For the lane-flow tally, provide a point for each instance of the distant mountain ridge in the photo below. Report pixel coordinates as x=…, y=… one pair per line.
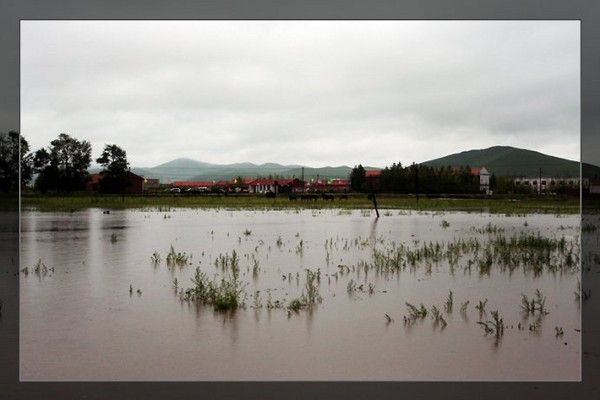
x=188, y=169
x=500, y=160
x=513, y=161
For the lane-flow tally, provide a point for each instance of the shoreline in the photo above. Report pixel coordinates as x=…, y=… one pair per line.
x=50, y=203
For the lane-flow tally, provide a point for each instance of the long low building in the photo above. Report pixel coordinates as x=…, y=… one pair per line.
x=275, y=185
x=550, y=183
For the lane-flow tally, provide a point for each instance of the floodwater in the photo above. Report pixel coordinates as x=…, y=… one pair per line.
x=79, y=320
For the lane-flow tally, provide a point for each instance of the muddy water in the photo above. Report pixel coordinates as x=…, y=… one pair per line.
x=79, y=320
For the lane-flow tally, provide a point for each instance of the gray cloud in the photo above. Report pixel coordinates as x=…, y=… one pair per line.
x=310, y=92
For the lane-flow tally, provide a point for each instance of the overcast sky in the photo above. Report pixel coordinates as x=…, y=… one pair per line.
x=302, y=92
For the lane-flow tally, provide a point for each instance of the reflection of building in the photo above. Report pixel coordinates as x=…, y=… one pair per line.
x=136, y=183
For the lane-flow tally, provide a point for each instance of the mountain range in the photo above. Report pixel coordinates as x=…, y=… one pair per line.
x=188, y=169
x=500, y=160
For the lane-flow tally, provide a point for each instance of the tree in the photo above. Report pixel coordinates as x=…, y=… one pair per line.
x=14, y=149
x=493, y=182
x=115, y=175
x=63, y=167
x=358, y=178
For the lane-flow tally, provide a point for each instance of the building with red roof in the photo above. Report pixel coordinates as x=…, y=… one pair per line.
x=331, y=185
x=275, y=185
x=372, y=173
x=135, y=186
x=193, y=184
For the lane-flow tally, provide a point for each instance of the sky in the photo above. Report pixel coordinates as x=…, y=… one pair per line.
x=317, y=93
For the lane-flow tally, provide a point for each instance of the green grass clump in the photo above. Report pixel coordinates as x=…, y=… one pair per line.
x=558, y=331
x=494, y=326
x=415, y=313
x=310, y=295
x=226, y=294
x=155, y=258
x=536, y=304
x=438, y=318
x=296, y=305
x=177, y=259
x=481, y=306
x=449, y=302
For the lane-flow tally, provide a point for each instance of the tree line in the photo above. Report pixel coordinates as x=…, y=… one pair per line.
x=60, y=167
x=416, y=178
x=63, y=166
x=419, y=178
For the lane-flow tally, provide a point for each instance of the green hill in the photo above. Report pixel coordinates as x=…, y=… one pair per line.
x=512, y=161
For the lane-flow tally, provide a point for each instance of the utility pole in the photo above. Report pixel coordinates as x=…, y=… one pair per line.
x=540, y=183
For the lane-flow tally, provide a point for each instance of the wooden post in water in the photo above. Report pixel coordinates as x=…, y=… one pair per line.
x=375, y=203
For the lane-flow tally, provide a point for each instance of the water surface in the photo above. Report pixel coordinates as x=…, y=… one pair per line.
x=79, y=321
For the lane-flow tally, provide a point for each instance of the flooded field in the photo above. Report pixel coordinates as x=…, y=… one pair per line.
x=299, y=295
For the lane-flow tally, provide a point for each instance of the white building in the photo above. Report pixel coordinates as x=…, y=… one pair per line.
x=549, y=183
x=484, y=178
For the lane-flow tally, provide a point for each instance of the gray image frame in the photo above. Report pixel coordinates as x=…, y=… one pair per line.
x=13, y=11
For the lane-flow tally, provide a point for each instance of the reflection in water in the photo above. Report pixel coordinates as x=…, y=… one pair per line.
x=87, y=308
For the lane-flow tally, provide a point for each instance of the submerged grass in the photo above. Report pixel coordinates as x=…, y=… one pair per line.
x=175, y=258
x=494, y=326
x=310, y=295
x=224, y=294
x=535, y=304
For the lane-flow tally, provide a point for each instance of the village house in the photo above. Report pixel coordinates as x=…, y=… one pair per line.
x=372, y=179
x=550, y=183
x=151, y=183
x=135, y=186
x=484, y=178
x=339, y=185
x=328, y=185
x=199, y=186
x=275, y=185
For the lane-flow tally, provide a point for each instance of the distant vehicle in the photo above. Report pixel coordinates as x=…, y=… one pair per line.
x=200, y=189
x=175, y=190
